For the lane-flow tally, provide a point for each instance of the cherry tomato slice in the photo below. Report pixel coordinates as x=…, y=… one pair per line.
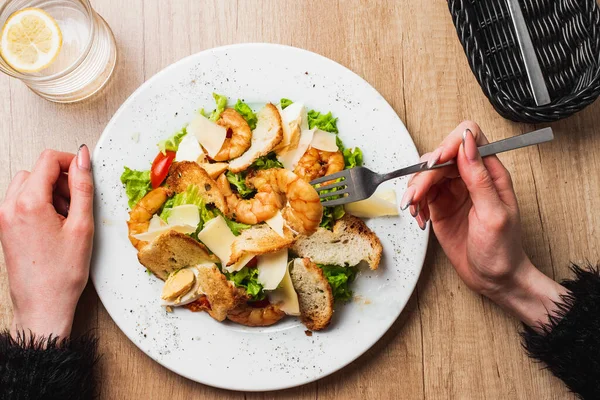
x=160, y=168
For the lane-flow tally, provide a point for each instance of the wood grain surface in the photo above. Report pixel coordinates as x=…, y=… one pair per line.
x=449, y=343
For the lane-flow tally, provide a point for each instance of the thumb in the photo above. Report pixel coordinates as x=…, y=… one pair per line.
x=477, y=179
x=81, y=188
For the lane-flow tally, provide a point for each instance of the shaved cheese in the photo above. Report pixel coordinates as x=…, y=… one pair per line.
x=210, y=135
x=189, y=149
x=276, y=223
x=285, y=295
x=156, y=223
x=291, y=158
x=292, y=118
x=241, y=263
x=325, y=141
x=150, y=236
x=382, y=203
x=217, y=236
x=187, y=214
x=271, y=268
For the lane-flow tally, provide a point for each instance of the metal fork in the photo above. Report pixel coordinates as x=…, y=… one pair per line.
x=360, y=183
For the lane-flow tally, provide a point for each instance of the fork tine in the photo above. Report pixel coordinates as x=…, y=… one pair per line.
x=336, y=202
x=333, y=194
x=341, y=174
x=331, y=186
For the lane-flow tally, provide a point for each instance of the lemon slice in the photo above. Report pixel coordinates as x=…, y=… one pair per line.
x=31, y=40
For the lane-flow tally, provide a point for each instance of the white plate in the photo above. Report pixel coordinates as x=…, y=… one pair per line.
x=223, y=354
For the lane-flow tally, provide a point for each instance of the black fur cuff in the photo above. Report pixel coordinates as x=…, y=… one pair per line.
x=47, y=368
x=570, y=343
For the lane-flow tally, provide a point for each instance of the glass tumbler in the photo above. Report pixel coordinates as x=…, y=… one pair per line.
x=86, y=58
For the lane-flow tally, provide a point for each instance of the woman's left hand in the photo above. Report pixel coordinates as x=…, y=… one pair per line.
x=46, y=230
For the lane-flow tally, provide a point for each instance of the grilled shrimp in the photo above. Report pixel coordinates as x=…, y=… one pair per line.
x=251, y=316
x=142, y=212
x=317, y=163
x=241, y=135
x=277, y=189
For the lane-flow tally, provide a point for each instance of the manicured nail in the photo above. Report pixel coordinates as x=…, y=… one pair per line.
x=435, y=157
x=414, y=210
x=421, y=222
x=83, y=158
x=469, y=145
x=407, y=198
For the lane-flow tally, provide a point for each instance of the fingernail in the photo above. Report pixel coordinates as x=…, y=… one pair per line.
x=421, y=222
x=414, y=211
x=83, y=158
x=469, y=145
x=407, y=198
x=435, y=157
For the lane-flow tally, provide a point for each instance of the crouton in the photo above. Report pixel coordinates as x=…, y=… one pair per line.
x=314, y=294
x=171, y=251
x=350, y=242
x=267, y=134
x=186, y=173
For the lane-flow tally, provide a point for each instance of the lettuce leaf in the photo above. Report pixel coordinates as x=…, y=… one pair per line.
x=247, y=278
x=330, y=215
x=190, y=196
x=172, y=143
x=221, y=104
x=246, y=112
x=137, y=184
x=235, y=227
x=239, y=181
x=339, y=279
x=267, y=162
x=353, y=157
x=284, y=103
x=324, y=122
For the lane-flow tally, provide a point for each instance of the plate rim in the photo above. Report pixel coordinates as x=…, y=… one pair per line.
x=419, y=259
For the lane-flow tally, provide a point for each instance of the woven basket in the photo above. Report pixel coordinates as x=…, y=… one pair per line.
x=566, y=36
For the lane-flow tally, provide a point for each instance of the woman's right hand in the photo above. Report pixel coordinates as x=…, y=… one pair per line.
x=475, y=216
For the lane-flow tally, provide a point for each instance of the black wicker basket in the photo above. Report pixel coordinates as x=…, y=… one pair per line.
x=566, y=36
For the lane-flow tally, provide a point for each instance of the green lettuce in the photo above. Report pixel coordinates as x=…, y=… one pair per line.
x=190, y=196
x=247, y=278
x=221, y=104
x=353, y=157
x=339, y=279
x=267, y=162
x=137, y=184
x=324, y=122
x=235, y=227
x=246, y=112
x=172, y=143
x=284, y=103
x=330, y=215
x=239, y=181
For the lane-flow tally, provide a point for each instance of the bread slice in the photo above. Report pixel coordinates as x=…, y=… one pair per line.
x=260, y=239
x=185, y=173
x=314, y=293
x=350, y=242
x=267, y=134
x=172, y=251
x=221, y=294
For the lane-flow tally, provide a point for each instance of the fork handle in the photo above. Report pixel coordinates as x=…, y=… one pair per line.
x=512, y=143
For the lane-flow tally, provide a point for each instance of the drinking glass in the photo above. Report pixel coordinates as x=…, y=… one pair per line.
x=86, y=59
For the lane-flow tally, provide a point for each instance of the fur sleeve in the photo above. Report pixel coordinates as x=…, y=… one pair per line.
x=46, y=368
x=570, y=343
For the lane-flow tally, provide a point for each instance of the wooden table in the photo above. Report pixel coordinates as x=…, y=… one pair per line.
x=449, y=342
